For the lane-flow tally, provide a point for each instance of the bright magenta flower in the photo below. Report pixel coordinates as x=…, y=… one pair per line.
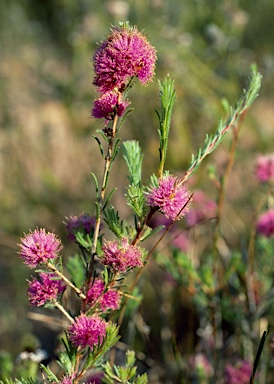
x=44, y=290
x=169, y=197
x=38, y=247
x=108, y=105
x=87, y=330
x=265, y=223
x=265, y=168
x=124, y=54
x=108, y=300
x=121, y=256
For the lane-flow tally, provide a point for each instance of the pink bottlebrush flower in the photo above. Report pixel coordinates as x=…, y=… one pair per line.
x=96, y=290
x=82, y=222
x=124, y=54
x=169, y=197
x=202, y=209
x=108, y=300
x=47, y=288
x=38, y=247
x=265, y=168
x=121, y=256
x=87, y=330
x=239, y=373
x=265, y=223
x=108, y=105
x=68, y=379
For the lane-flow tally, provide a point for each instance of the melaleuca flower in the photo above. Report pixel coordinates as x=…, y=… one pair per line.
x=265, y=168
x=67, y=379
x=124, y=54
x=38, y=247
x=87, y=330
x=47, y=288
x=109, y=105
x=108, y=300
x=265, y=223
x=169, y=197
x=121, y=256
x=83, y=223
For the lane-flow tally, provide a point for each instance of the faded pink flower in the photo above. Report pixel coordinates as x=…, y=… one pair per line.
x=95, y=377
x=265, y=223
x=47, y=288
x=108, y=300
x=87, y=330
x=38, y=247
x=169, y=197
x=202, y=209
x=181, y=241
x=265, y=168
x=83, y=222
x=239, y=373
x=108, y=105
x=121, y=256
x=124, y=54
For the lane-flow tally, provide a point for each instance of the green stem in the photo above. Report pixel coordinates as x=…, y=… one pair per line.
x=100, y=200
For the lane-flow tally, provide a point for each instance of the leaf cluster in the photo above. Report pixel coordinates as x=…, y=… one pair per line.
x=126, y=374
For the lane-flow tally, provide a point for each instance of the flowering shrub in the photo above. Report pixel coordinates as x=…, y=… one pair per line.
x=98, y=275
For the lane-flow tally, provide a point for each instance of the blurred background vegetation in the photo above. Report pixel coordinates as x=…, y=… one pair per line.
x=46, y=147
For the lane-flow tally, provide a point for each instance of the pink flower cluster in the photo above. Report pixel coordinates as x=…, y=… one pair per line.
x=169, y=197
x=109, y=105
x=84, y=223
x=47, y=288
x=125, y=54
x=38, y=247
x=265, y=223
x=121, y=256
x=265, y=168
x=238, y=374
x=87, y=330
x=108, y=300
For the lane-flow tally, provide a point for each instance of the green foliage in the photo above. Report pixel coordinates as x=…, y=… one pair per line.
x=167, y=99
x=6, y=365
x=212, y=142
x=76, y=268
x=117, y=226
x=126, y=374
x=67, y=358
x=19, y=381
x=136, y=200
x=134, y=159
